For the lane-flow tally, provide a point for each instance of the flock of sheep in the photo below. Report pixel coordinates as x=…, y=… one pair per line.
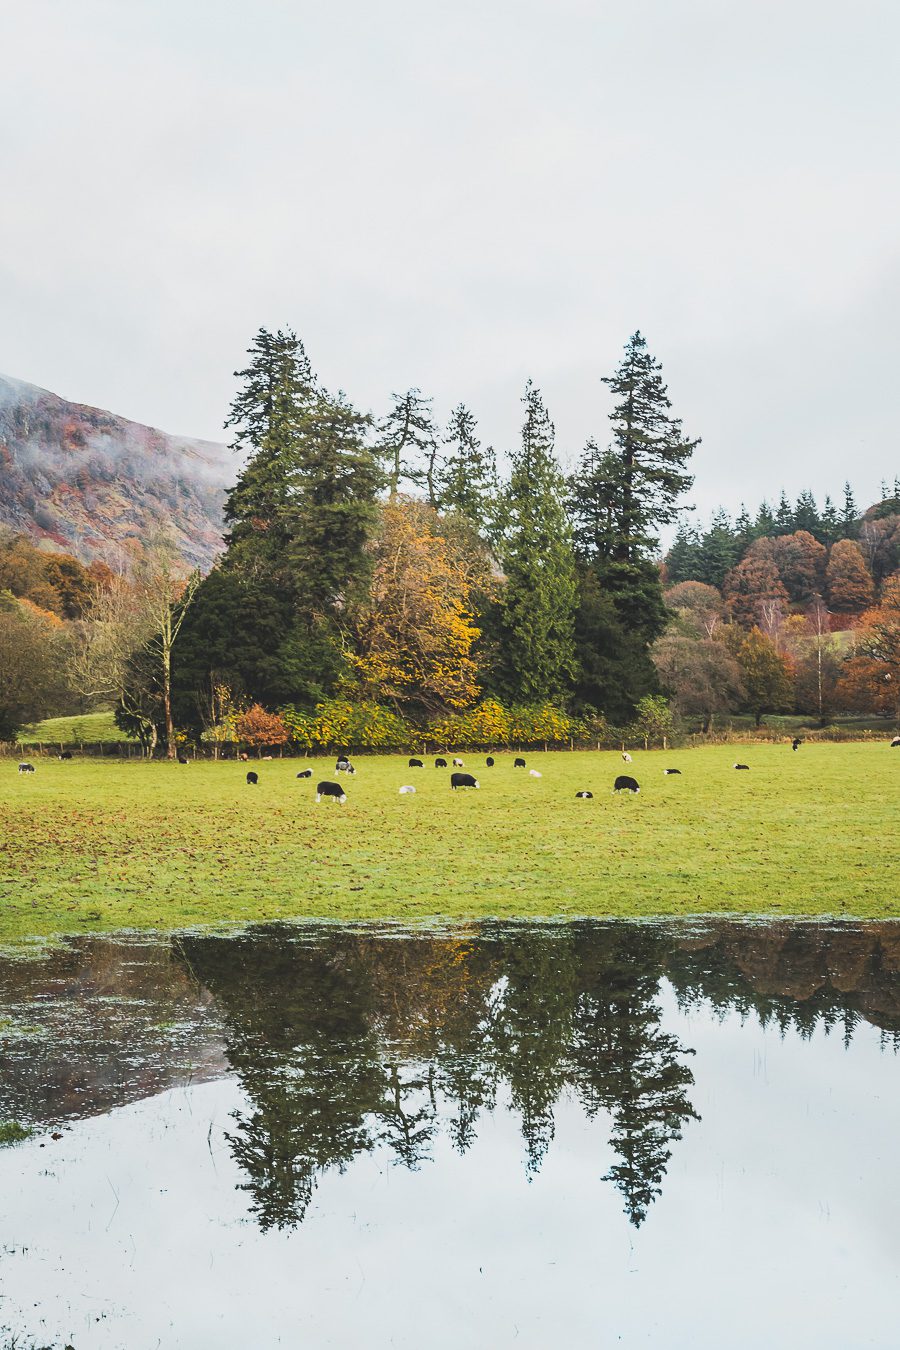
x=332, y=791
x=335, y=792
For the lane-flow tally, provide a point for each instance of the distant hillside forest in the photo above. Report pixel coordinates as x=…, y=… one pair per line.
x=382, y=582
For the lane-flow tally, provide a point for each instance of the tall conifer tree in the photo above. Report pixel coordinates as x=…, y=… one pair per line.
x=267, y=414
x=408, y=444
x=537, y=607
x=467, y=479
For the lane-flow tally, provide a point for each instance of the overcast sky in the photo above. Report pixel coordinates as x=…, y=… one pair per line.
x=459, y=196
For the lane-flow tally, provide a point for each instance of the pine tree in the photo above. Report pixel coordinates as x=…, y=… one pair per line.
x=830, y=523
x=617, y=500
x=719, y=550
x=333, y=510
x=764, y=525
x=806, y=514
x=683, y=558
x=849, y=514
x=467, y=479
x=267, y=414
x=408, y=444
x=784, y=515
x=538, y=602
x=651, y=449
x=743, y=528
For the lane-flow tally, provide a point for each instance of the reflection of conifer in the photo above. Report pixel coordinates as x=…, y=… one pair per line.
x=408, y=1115
x=531, y=1030
x=299, y=1038
x=624, y=1063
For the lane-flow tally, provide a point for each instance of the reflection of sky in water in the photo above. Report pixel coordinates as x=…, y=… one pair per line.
x=774, y=1226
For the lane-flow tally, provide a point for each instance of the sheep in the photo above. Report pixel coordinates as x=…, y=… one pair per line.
x=182, y=758
x=670, y=771
x=26, y=768
x=626, y=758
x=334, y=790
x=66, y=754
x=463, y=780
x=305, y=773
x=415, y=764
x=895, y=742
x=742, y=766
x=252, y=777
x=243, y=756
x=458, y=764
x=490, y=761
x=534, y=773
x=519, y=764
x=585, y=796
x=344, y=766
x=406, y=789
x=625, y=784
x=796, y=743
x=440, y=763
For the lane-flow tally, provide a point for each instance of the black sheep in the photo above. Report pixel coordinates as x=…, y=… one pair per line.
x=625, y=784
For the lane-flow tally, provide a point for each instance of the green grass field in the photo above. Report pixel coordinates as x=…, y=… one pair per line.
x=88, y=845
x=86, y=728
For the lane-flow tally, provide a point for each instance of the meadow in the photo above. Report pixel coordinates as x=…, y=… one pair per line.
x=90, y=845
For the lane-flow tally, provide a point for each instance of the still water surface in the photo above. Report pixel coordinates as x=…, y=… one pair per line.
x=580, y=1135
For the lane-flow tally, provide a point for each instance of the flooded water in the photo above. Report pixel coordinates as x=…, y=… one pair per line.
x=573, y=1136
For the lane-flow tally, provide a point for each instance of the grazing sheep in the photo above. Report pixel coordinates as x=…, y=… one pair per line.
x=26, y=768
x=305, y=773
x=252, y=777
x=490, y=761
x=440, y=764
x=267, y=756
x=626, y=757
x=458, y=780
x=344, y=766
x=458, y=764
x=585, y=796
x=415, y=764
x=243, y=756
x=333, y=790
x=182, y=759
x=535, y=773
x=668, y=771
x=66, y=754
x=406, y=790
x=895, y=742
x=519, y=764
x=796, y=743
x=742, y=766
x=625, y=784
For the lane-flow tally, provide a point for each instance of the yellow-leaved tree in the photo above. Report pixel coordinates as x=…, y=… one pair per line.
x=415, y=634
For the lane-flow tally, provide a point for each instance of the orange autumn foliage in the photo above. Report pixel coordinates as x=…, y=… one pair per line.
x=416, y=633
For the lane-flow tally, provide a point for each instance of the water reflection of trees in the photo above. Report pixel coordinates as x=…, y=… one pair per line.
x=344, y=1041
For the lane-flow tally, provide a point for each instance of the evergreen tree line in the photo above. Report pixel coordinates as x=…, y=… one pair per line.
x=389, y=560
x=708, y=555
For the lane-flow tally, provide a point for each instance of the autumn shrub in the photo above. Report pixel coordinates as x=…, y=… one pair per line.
x=260, y=729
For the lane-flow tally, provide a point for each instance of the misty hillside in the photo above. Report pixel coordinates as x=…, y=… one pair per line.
x=90, y=483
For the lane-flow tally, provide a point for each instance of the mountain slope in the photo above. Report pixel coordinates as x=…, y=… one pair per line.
x=83, y=480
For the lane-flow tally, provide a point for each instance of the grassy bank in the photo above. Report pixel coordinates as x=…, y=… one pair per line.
x=85, y=728
x=91, y=845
